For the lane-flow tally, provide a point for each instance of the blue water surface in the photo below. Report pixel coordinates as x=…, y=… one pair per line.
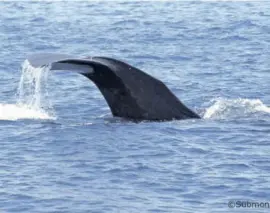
x=213, y=55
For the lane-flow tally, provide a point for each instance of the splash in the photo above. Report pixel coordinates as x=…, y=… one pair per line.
x=16, y=112
x=31, y=96
x=224, y=108
x=32, y=86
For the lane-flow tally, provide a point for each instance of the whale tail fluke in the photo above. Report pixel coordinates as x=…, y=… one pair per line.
x=129, y=92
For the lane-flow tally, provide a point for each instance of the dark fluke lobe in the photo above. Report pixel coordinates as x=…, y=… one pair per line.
x=129, y=92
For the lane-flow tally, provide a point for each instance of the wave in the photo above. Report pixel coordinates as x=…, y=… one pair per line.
x=223, y=108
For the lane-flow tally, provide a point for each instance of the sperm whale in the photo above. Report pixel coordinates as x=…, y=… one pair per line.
x=129, y=92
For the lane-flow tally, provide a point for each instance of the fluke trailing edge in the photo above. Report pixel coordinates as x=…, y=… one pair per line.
x=129, y=92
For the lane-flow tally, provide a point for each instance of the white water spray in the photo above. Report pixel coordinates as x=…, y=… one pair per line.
x=224, y=108
x=32, y=87
x=31, y=96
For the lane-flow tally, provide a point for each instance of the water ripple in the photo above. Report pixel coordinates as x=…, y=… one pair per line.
x=70, y=155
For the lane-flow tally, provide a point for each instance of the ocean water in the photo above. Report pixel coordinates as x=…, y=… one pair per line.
x=62, y=151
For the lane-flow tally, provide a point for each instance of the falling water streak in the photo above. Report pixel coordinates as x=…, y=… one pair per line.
x=32, y=91
x=32, y=101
